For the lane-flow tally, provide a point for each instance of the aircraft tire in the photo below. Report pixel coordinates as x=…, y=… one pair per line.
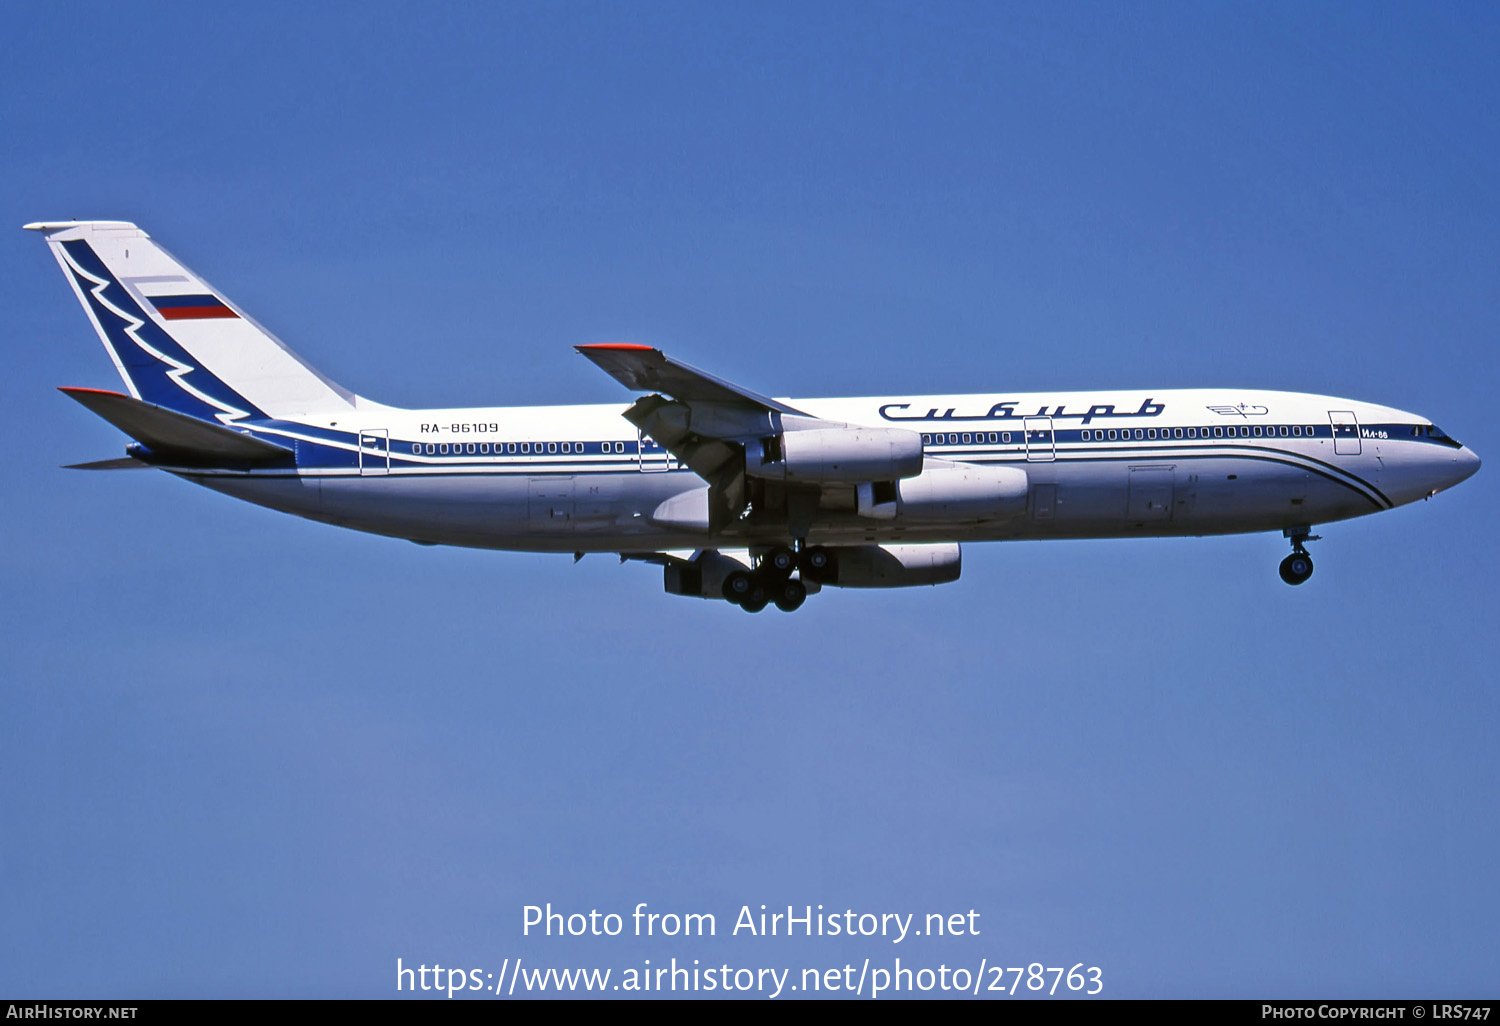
x=738, y=586
x=791, y=595
x=1296, y=568
x=780, y=561
x=817, y=563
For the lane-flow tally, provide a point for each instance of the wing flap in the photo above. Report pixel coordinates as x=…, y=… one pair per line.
x=176, y=435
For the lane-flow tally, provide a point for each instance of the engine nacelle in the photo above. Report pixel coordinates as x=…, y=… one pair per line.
x=845, y=455
x=946, y=492
x=702, y=577
x=894, y=566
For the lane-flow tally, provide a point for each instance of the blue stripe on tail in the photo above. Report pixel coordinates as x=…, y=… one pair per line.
x=159, y=369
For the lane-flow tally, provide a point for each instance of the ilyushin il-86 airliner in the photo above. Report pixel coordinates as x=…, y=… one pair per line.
x=736, y=495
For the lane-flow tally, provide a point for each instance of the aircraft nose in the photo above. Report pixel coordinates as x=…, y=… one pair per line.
x=1467, y=464
x=1442, y=470
x=1456, y=468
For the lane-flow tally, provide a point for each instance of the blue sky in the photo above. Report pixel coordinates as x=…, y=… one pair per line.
x=247, y=755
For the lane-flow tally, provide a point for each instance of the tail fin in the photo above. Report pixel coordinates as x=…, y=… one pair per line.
x=176, y=341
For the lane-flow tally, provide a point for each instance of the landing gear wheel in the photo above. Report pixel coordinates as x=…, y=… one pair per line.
x=816, y=563
x=756, y=600
x=1296, y=568
x=780, y=561
x=738, y=586
x=791, y=595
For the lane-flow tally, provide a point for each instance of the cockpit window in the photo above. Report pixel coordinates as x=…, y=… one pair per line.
x=1436, y=434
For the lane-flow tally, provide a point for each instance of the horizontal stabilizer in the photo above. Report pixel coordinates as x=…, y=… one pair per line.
x=123, y=463
x=176, y=435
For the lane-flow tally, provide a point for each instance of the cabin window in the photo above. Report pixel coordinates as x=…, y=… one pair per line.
x=551, y=446
x=968, y=439
x=926, y=439
x=1297, y=430
x=1177, y=432
x=994, y=437
x=1005, y=436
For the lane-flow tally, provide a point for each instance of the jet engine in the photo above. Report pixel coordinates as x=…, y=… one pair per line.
x=702, y=576
x=946, y=492
x=893, y=566
x=844, y=455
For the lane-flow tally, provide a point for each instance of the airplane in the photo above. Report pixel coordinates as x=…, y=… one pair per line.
x=736, y=495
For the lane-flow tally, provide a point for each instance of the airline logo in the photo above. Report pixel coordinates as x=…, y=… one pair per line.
x=190, y=308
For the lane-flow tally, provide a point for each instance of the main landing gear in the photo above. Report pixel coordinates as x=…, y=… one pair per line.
x=1298, y=567
x=772, y=580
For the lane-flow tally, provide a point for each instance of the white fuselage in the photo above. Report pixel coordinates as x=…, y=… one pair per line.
x=1118, y=464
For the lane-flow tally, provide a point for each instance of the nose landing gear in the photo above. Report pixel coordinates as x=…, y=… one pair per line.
x=1298, y=567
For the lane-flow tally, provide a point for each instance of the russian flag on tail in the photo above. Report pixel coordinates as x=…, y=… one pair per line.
x=190, y=308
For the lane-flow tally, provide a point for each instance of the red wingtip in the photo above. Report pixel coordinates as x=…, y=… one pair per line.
x=627, y=346
x=75, y=390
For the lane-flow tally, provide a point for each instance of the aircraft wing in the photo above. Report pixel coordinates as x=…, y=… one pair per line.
x=703, y=421
x=739, y=442
x=644, y=369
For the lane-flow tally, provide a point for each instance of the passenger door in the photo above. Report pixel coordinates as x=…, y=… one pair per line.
x=653, y=457
x=1345, y=433
x=1040, y=444
x=374, y=452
